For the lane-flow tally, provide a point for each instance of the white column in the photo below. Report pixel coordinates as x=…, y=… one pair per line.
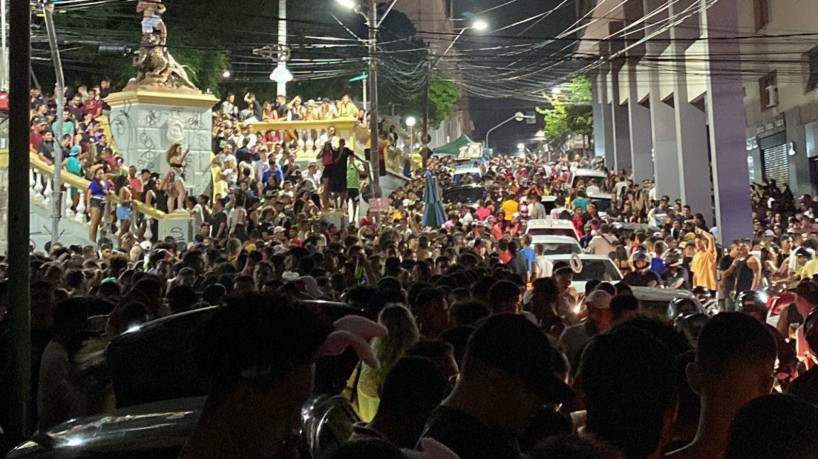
x=725, y=119
x=621, y=125
x=691, y=128
x=640, y=130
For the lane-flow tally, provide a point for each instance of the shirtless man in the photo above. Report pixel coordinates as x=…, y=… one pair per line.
x=152, y=11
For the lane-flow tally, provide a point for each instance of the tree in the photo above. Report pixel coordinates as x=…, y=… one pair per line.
x=443, y=98
x=570, y=113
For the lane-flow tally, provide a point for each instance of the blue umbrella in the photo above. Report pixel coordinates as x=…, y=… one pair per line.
x=433, y=215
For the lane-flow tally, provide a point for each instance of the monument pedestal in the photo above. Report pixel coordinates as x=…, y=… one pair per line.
x=146, y=122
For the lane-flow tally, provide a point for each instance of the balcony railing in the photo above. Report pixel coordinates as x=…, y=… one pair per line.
x=41, y=176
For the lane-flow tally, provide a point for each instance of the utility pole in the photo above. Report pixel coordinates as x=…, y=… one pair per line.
x=4, y=61
x=374, y=158
x=281, y=86
x=19, y=391
x=56, y=197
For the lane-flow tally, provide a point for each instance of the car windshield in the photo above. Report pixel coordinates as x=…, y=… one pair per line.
x=602, y=204
x=559, y=248
x=552, y=232
x=463, y=195
x=602, y=270
x=458, y=178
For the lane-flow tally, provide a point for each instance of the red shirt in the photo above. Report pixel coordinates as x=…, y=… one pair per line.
x=35, y=139
x=365, y=222
x=94, y=107
x=505, y=257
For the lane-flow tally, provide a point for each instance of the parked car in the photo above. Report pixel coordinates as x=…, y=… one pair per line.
x=160, y=394
x=587, y=175
x=656, y=300
x=594, y=267
x=159, y=430
x=468, y=195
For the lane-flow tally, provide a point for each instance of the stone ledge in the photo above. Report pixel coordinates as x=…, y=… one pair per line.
x=162, y=98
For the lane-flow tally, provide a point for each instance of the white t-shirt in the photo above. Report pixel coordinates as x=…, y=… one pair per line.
x=56, y=396
x=544, y=267
x=620, y=188
x=602, y=244
x=536, y=211
x=555, y=212
x=467, y=219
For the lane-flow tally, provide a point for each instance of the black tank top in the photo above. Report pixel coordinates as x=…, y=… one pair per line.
x=744, y=277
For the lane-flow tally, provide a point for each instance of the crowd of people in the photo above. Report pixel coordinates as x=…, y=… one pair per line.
x=482, y=348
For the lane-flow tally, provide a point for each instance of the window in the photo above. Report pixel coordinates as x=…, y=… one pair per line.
x=812, y=69
x=768, y=90
x=761, y=12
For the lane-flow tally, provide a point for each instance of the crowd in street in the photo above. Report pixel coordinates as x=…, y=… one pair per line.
x=477, y=344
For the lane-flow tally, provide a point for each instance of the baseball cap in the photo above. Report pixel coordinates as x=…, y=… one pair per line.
x=512, y=343
x=769, y=233
x=808, y=290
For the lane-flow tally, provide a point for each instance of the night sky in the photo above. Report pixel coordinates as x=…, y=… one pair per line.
x=489, y=111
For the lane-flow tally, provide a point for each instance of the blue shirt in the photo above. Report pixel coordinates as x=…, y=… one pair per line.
x=529, y=255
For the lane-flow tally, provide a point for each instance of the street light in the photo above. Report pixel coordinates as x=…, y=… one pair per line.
x=521, y=146
x=410, y=123
x=226, y=74
x=349, y=4
x=372, y=24
x=519, y=116
x=478, y=25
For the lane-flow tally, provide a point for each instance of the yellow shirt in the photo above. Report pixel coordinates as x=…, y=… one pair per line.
x=348, y=110
x=509, y=207
x=810, y=269
x=703, y=267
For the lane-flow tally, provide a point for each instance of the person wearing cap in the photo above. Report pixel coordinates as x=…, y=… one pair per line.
x=574, y=338
x=507, y=376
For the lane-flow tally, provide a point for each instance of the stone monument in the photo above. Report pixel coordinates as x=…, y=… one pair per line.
x=160, y=107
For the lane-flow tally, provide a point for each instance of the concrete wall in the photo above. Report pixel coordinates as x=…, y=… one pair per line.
x=796, y=106
x=143, y=130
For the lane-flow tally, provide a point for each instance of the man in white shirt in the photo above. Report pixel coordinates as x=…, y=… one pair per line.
x=602, y=243
x=227, y=155
x=560, y=208
x=536, y=209
x=619, y=189
x=467, y=218
x=592, y=189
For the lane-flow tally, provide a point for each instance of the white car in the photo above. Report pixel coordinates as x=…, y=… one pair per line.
x=655, y=300
x=594, y=267
x=587, y=175
x=557, y=245
x=550, y=227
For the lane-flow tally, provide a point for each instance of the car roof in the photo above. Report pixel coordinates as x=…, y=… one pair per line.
x=589, y=173
x=583, y=257
x=549, y=223
x=661, y=294
x=553, y=238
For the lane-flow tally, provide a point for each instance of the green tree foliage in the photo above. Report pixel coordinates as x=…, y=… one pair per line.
x=443, y=98
x=569, y=113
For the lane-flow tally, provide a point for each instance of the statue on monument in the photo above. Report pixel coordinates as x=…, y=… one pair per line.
x=157, y=69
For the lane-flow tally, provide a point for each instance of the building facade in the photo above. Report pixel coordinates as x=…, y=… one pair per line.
x=780, y=80
x=434, y=23
x=697, y=95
